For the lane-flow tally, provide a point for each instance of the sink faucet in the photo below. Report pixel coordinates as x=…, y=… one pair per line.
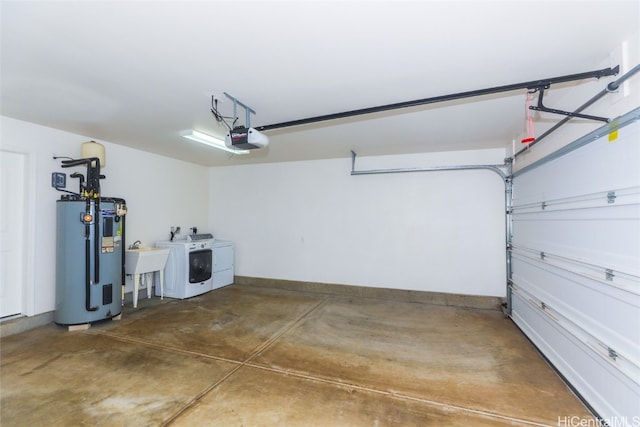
x=135, y=245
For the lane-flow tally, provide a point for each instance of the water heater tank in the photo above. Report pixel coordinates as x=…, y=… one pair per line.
x=89, y=259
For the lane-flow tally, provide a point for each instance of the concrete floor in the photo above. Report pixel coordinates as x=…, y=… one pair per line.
x=253, y=356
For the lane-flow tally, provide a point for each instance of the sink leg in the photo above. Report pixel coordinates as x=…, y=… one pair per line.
x=149, y=281
x=136, y=285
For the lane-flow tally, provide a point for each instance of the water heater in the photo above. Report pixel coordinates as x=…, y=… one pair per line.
x=89, y=259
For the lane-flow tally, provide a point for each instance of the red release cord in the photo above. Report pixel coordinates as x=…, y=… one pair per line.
x=530, y=130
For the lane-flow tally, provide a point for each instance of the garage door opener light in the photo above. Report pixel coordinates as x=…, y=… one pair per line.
x=211, y=141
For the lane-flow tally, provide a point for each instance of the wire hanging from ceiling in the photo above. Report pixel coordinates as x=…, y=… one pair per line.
x=218, y=116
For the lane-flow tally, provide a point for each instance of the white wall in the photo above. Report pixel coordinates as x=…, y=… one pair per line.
x=313, y=221
x=160, y=193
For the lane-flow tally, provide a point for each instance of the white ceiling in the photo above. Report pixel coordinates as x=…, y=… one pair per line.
x=139, y=73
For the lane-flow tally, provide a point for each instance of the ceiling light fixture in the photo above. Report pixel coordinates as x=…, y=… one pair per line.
x=211, y=141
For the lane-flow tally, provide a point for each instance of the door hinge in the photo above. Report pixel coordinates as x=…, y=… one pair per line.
x=611, y=197
x=608, y=274
x=612, y=354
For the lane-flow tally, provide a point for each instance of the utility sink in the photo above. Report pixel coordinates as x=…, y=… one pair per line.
x=145, y=260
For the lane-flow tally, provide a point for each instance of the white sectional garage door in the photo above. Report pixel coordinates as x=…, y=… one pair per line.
x=575, y=268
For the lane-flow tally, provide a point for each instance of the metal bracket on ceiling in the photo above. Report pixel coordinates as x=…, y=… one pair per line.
x=541, y=107
x=248, y=110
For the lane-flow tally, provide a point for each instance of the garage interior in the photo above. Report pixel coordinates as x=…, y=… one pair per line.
x=424, y=240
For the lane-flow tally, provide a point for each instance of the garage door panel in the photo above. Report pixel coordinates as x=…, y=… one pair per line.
x=595, y=233
x=578, y=298
x=575, y=267
x=604, y=385
x=598, y=167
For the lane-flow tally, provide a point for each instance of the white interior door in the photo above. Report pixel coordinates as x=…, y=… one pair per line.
x=576, y=269
x=12, y=232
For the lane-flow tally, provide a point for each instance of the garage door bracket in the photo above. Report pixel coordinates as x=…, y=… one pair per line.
x=611, y=87
x=544, y=109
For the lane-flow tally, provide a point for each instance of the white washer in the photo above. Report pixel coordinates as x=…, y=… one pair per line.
x=189, y=268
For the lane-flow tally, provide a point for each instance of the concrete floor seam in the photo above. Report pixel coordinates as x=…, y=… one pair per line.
x=268, y=343
x=259, y=350
x=200, y=396
x=167, y=348
x=394, y=395
x=255, y=353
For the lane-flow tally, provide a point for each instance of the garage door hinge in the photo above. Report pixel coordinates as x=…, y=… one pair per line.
x=544, y=205
x=612, y=354
x=608, y=274
x=542, y=256
x=611, y=197
x=543, y=305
